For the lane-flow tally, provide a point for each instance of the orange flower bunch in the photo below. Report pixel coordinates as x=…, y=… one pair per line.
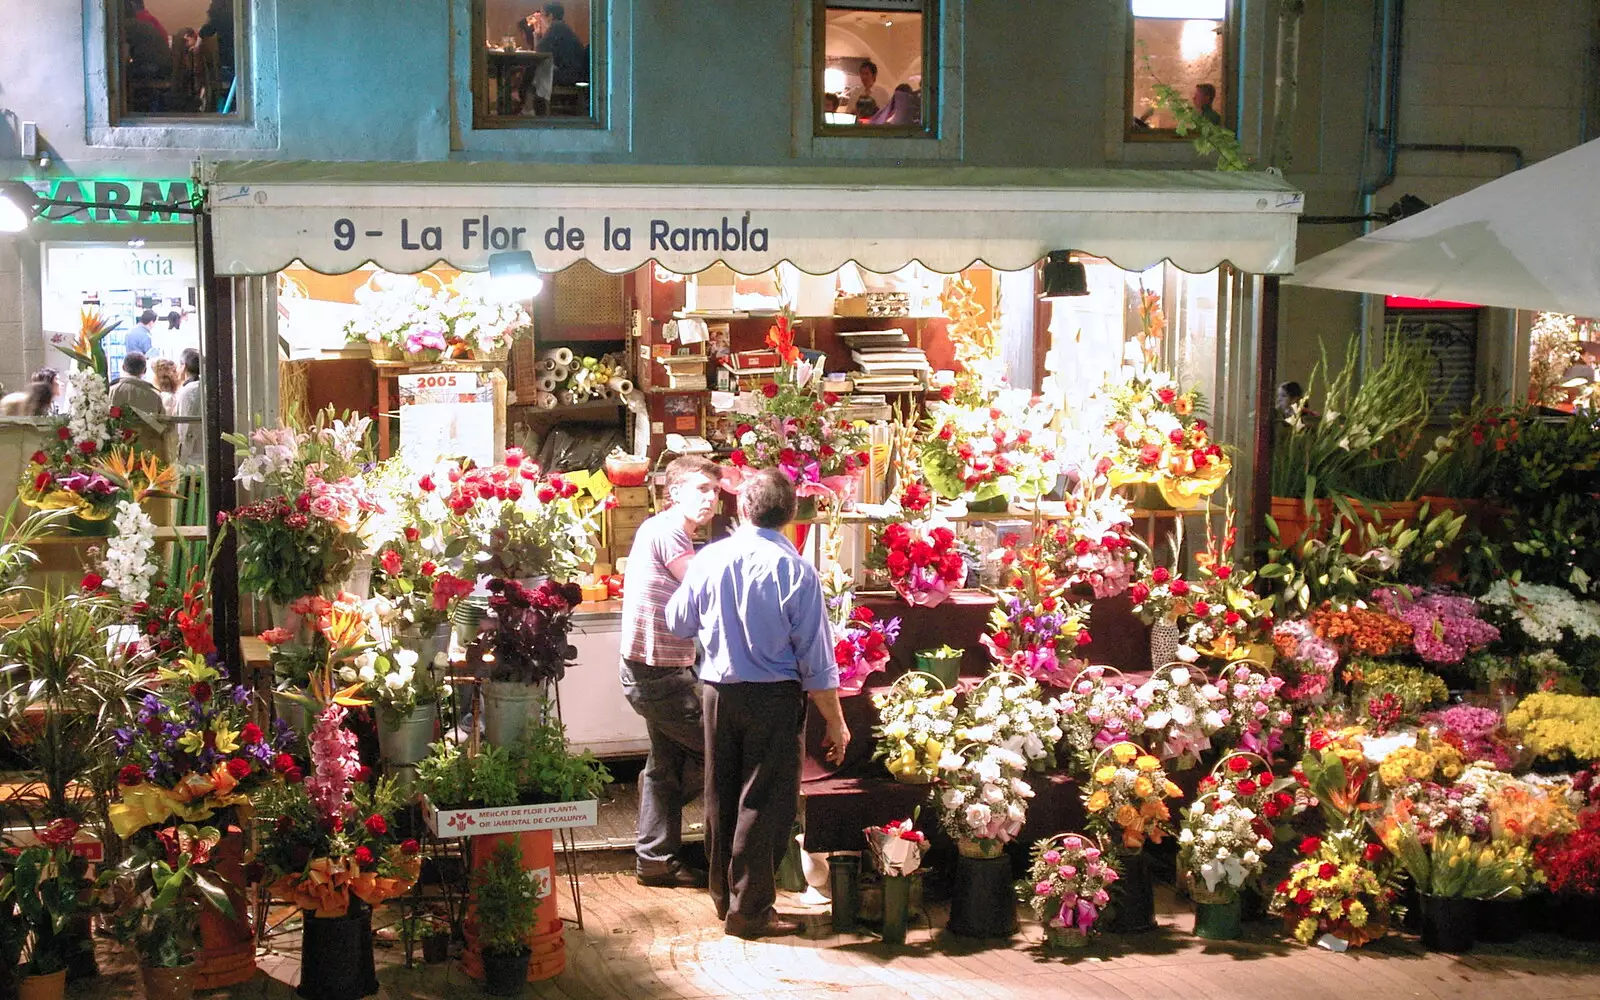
x=1127, y=789
x=1361, y=631
x=325, y=887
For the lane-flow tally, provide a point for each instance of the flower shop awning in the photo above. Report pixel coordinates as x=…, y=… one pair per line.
x=1529, y=240
x=406, y=217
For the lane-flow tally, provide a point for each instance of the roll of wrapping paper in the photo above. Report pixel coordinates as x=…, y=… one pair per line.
x=621, y=386
x=548, y=384
x=545, y=400
x=635, y=400
x=561, y=355
x=548, y=364
x=561, y=372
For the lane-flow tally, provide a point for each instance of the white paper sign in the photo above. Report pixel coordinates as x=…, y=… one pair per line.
x=446, y=415
x=451, y=823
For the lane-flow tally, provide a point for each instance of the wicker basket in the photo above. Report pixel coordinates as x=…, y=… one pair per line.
x=499, y=354
x=384, y=351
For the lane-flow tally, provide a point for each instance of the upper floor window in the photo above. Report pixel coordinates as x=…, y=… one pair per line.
x=1182, y=44
x=875, y=67
x=178, y=59
x=537, y=68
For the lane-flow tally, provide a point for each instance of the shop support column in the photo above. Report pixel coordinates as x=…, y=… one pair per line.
x=217, y=388
x=1266, y=402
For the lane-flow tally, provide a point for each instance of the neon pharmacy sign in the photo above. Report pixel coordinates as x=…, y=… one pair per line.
x=112, y=193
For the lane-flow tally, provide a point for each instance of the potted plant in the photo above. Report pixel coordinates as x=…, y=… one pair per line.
x=943, y=663
x=435, y=935
x=504, y=905
x=42, y=892
x=538, y=768
x=1068, y=885
x=154, y=898
x=528, y=636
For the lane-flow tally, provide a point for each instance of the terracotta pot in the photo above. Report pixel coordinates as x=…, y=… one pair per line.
x=1293, y=522
x=227, y=946
x=51, y=986
x=174, y=983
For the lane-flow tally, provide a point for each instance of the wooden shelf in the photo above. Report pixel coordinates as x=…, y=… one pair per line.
x=164, y=533
x=563, y=409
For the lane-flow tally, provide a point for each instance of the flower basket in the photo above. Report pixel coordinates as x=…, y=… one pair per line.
x=970, y=848
x=498, y=354
x=1065, y=938
x=382, y=350
x=424, y=357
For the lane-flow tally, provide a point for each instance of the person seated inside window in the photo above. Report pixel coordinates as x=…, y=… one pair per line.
x=904, y=108
x=565, y=47
x=870, y=98
x=147, y=59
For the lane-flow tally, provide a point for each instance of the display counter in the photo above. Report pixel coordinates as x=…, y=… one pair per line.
x=596, y=715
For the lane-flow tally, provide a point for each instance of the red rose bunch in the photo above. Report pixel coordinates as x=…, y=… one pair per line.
x=922, y=560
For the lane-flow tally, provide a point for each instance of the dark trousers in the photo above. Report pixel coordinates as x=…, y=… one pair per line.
x=753, y=734
x=668, y=698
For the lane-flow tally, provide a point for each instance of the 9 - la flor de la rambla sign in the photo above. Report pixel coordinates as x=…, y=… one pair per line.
x=108, y=196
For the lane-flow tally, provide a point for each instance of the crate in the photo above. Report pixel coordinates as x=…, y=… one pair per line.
x=632, y=496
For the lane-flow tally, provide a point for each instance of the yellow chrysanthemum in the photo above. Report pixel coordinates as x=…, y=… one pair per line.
x=1357, y=915
x=1124, y=752
x=1146, y=763
x=1305, y=931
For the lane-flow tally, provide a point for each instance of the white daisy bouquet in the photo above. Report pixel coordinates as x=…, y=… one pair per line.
x=1222, y=845
x=1010, y=712
x=1182, y=711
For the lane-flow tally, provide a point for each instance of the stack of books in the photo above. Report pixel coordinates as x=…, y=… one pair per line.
x=889, y=369
x=759, y=362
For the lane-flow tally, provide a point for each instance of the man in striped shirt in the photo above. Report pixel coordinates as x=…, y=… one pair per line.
x=658, y=672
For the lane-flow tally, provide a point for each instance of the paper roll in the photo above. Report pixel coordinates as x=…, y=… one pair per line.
x=621, y=386
x=545, y=401
x=547, y=364
x=548, y=383
x=561, y=355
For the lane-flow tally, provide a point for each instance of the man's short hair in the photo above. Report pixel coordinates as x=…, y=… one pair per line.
x=147, y=317
x=1207, y=89
x=133, y=363
x=684, y=466
x=767, y=499
x=868, y=64
x=555, y=11
x=191, y=361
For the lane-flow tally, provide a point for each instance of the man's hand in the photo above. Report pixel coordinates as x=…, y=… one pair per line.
x=836, y=741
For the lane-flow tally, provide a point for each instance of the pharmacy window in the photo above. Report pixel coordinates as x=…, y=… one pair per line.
x=1184, y=45
x=875, y=67
x=178, y=60
x=537, y=65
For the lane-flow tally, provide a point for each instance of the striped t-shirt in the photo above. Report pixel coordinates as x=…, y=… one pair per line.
x=650, y=584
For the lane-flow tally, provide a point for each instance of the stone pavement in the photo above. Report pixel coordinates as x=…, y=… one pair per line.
x=649, y=943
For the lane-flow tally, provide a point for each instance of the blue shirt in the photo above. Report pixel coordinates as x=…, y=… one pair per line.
x=138, y=339
x=759, y=612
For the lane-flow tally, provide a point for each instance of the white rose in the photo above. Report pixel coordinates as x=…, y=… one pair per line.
x=405, y=658
x=1188, y=654
x=1180, y=676
x=367, y=673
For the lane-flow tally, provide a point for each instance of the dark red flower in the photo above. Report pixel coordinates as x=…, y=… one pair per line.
x=1310, y=845
x=60, y=833
x=200, y=692
x=92, y=581
x=294, y=776
x=63, y=434
x=363, y=856
x=390, y=561
x=410, y=846
x=250, y=735
x=239, y=768
x=1327, y=870
x=363, y=773
x=131, y=774
x=283, y=763
x=1372, y=852
x=40, y=458
x=377, y=825
x=1238, y=765
x=770, y=390
x=1304, y=897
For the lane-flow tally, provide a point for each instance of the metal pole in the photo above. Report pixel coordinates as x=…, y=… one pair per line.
x=1266, y=396
x=216, y=386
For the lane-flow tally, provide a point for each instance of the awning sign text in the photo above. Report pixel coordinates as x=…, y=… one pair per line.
x=489, y=233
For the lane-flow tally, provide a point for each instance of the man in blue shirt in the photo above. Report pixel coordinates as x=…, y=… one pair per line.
x=138, y=338
x=762, y=621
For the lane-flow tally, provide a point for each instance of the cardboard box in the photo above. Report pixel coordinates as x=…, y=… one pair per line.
x=454, y=823
x=711, y=290
x=632, y=496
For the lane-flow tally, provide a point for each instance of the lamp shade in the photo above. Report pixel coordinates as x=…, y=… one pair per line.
x=1063, y=278
x=18, y=202
x=513, y=276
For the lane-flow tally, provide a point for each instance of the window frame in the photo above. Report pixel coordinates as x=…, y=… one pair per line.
x=1230, y=48
x=932, y=74
x=118, y=115
x=599, y=66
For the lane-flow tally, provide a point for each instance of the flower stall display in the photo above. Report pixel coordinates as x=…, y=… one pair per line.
x=985, y=800
x=401, y=314
x=1222, y=847
x=1219, y=614
x=1126, y=797
x=916, y=717
x=922, y=558
x=526, y=524
x=1098, y=711
x=1342, y=884
x=92, y=461
x=190, y=751
x=797, y=431
x=1010, y=712
x=1036, y=627
x=896, y=850
x=1257, y=717
x=1444, y=627
x=861, y=648
x=1068, y=885
x=1558, y=726
x=1548, y=624
x=989, y=450
x=1153, y=433
x=306, y=533
x=1182, y=711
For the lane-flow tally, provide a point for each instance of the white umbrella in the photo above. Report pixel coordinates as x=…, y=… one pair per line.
x=1529, y=240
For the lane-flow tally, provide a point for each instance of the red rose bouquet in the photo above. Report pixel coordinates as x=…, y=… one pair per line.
x=861, y=647
x=923, y=560
x=527, y=524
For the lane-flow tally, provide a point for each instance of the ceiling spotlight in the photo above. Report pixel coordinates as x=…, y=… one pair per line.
x=18, y=203
x=1064, y=278
x=513, y=276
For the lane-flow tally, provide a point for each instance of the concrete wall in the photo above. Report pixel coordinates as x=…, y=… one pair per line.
x=722, y=82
